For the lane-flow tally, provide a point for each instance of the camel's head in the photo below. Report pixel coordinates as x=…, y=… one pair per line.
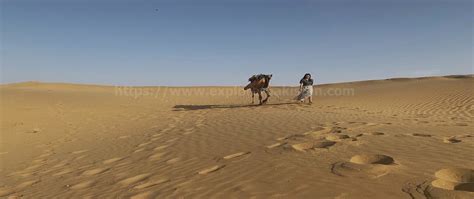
x=267, y=81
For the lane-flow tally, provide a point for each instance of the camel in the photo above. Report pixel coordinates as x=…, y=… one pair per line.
x=259, y=83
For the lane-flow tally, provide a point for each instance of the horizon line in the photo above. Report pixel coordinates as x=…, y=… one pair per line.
x=345, y=82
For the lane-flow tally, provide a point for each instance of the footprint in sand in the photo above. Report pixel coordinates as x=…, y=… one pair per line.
x=152, y=183
x=464, y=136
x=452, y=139
x=423, y=122
x=303, y=146
x=235, y=155
x=421, y=135
x=95, y=171
x=276, y=145
x=417, y=189
x=374, y=133
x=313, y=145
x=292, y=137
x=456, y=138
x=35, y=130
x=460, y=179
x=211, y=169
x=337, y=137
x=372, y=159
x=364, y=166
x=337, y=129
x=132, y=180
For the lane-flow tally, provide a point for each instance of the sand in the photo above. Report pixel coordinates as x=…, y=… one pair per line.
x=394, y=138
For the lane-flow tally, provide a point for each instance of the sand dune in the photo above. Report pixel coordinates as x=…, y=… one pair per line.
x=394, y=138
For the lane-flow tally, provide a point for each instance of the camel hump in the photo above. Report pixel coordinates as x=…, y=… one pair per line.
x=259, y=77
x=253, y=78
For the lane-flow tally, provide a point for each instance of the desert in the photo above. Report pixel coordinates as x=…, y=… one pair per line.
x=390, y=138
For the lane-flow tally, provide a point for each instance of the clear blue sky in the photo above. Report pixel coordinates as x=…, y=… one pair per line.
x=223, y=42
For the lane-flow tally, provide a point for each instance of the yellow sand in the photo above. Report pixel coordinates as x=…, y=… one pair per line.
x=76, y=141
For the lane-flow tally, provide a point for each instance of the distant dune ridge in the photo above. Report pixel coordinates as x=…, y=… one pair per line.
x=393, y=138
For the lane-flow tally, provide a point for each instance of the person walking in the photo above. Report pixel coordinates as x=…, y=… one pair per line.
x=306, y=89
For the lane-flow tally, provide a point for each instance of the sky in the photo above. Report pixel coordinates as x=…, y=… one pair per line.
x=197, y=43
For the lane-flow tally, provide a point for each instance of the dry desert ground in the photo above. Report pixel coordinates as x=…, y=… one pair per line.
x=394, y=138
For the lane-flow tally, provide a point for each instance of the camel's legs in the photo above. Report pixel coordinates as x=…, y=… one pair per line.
x=260, y=97
x=253, y=97
x=268, y=96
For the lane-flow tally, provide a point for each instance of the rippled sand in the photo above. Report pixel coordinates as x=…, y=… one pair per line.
x=380, y=139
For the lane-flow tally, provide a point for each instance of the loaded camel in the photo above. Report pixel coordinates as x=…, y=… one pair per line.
x=259, y=83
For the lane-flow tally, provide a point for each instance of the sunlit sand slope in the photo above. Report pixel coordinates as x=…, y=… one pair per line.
x=395, y=138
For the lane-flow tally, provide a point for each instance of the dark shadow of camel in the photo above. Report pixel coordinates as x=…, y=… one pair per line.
x=202, y=107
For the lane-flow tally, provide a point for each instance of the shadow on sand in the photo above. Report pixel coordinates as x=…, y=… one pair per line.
x=201, y=107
